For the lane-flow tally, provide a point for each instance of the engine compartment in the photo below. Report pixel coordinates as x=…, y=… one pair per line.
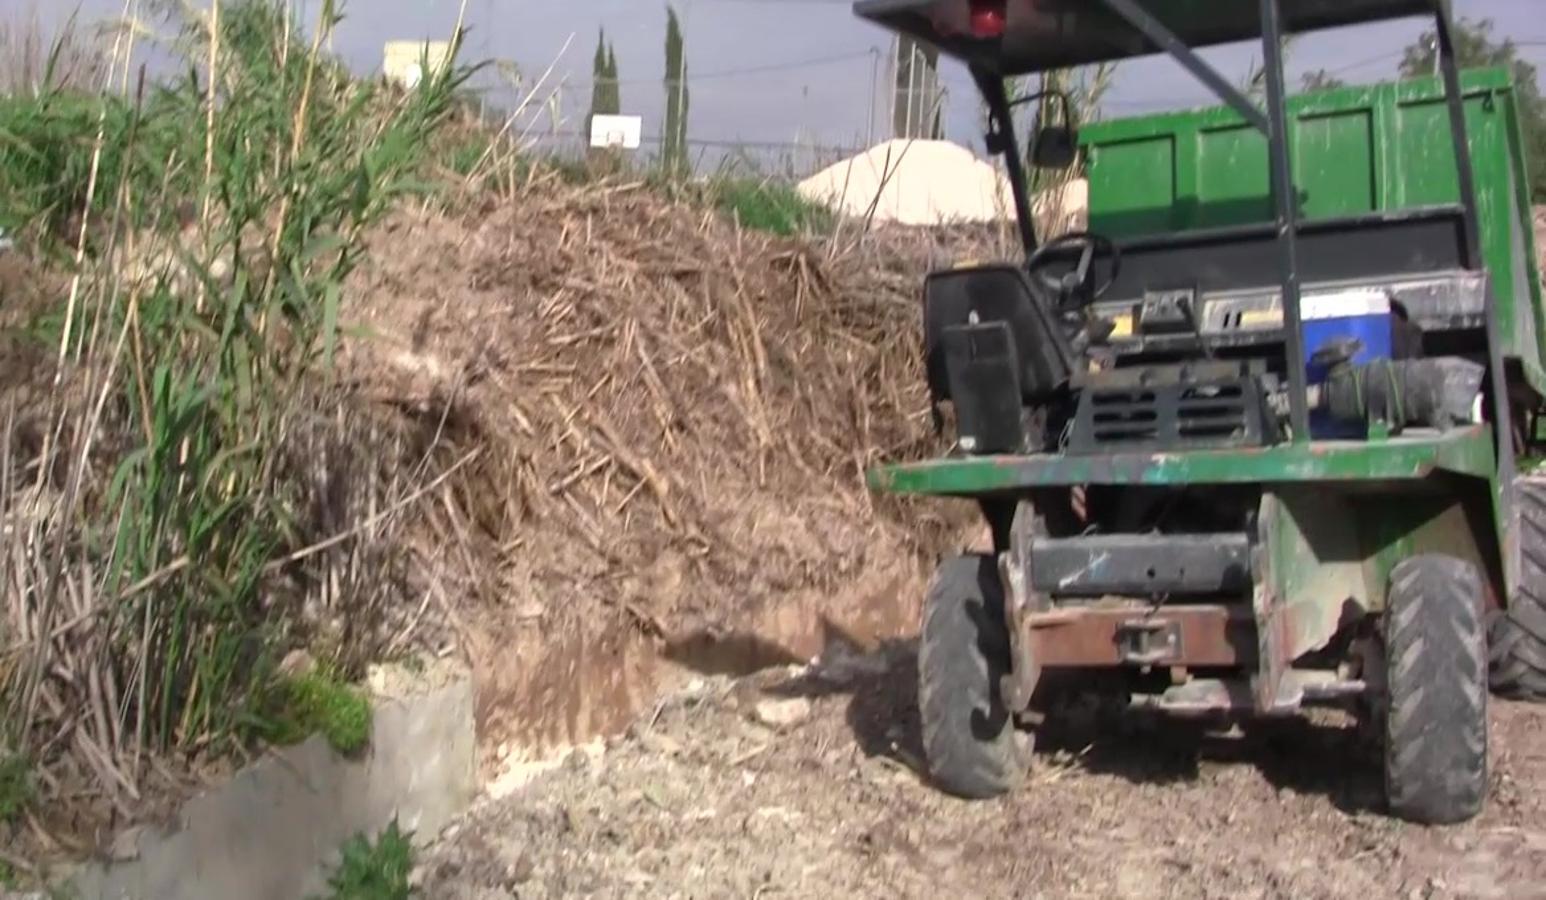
x=1177, y=343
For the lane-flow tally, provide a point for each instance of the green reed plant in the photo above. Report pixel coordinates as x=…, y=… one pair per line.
x=229, y=209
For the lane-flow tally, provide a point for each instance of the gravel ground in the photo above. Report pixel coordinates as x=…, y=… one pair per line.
x=805, y=784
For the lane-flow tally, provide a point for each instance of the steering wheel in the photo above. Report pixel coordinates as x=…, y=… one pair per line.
x=1074, y=279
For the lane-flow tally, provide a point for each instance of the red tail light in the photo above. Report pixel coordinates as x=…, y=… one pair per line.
x=988, y=18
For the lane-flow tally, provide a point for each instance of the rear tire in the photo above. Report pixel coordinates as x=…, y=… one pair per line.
x=968, y=734
x=1436, y=691
x=1518, y=634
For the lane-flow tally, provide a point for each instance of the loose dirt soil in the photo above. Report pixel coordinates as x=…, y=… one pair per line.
x=702, y=799
x=662, y=423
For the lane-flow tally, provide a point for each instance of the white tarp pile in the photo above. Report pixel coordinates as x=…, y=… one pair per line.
x=913, y=183
x=928, y=183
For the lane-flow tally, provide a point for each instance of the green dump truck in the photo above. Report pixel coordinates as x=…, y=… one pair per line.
x=1249, y=441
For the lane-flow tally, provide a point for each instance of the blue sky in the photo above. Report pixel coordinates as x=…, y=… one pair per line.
x=812, y=61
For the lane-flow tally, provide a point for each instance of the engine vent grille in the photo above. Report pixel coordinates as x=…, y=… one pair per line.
x=1229, y=413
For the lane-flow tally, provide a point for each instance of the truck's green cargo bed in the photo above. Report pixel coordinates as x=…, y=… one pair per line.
x=1355, y=150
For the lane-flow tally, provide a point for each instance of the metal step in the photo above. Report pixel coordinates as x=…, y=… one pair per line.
x=1207, y=696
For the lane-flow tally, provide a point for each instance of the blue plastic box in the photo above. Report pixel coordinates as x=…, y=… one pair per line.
x=1361, y=314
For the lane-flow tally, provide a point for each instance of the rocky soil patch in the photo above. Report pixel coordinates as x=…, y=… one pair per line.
x=706, y=797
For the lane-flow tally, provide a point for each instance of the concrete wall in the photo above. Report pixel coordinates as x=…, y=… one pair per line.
x=272, y=832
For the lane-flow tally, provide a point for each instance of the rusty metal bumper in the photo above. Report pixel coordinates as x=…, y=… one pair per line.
x=1201, y=636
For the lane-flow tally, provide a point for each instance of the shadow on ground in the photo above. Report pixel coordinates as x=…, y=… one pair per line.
x=1086, y=725
x=735, y=654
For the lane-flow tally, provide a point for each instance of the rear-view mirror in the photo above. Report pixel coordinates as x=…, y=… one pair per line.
x=1054, y=147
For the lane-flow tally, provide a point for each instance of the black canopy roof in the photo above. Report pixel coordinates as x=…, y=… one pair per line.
x=1051, y=34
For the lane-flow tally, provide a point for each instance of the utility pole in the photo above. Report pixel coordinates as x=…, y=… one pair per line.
x=892, y=93
x=874, y=86
x=681, y=90
x=681, y=86
x=915, y=93
x=912, y=89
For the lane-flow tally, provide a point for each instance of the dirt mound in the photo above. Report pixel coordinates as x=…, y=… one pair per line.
x=662, y=424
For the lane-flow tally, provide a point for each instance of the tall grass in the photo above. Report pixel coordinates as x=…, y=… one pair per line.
x=145, y=534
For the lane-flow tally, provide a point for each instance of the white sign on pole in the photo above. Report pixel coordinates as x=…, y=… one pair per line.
x=616, y=131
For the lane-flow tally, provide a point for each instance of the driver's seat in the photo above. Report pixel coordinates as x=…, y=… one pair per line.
x=991, y=345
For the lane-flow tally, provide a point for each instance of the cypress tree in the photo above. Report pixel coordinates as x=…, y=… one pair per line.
x=674, y=142
x=614, y=86
x=598, y=88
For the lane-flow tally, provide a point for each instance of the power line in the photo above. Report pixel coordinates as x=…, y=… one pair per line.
x=693, y=78
x=730, y=143
x=1365, y=62
x=1533, y=42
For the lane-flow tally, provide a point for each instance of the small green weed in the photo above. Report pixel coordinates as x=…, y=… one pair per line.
x=464, y=155
x=317, y=703
x=570, y=171
x=480, y=157
x=15, y=786
x=771, y=207
x=376, y=870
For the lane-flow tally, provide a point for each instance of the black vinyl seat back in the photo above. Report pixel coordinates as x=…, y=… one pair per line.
x=989, y=294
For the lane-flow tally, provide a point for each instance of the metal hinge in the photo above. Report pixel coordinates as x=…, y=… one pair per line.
x=1148, y=642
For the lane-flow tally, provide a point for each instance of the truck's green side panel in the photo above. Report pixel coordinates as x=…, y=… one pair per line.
x=1355, y=150
x=1465, y=452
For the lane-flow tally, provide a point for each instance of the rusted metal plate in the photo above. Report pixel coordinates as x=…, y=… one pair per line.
x=1194, y=636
